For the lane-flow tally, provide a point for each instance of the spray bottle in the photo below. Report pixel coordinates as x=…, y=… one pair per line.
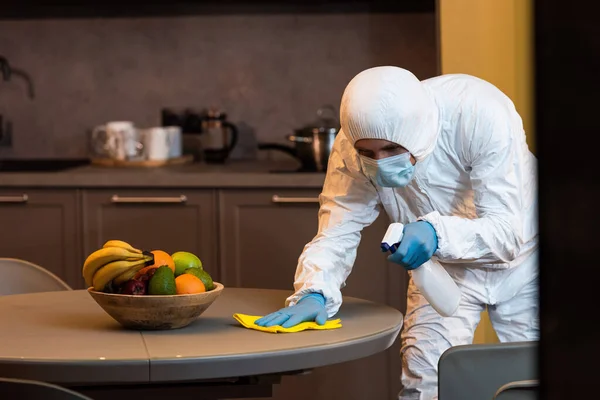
x=431, y=278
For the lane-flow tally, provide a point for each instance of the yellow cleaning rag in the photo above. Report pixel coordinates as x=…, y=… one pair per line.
x=248, y=322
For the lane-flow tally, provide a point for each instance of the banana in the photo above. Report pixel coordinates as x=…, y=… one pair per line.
x=103, y=256
x=123, y=245
x=112, y=270
x=130, y=273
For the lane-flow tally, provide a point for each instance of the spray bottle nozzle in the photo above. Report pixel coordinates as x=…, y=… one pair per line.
x=392, y=237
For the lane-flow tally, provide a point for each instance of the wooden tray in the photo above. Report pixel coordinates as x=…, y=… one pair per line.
x=109, y=162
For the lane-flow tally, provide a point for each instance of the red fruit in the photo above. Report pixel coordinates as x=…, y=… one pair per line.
x=134, y=287
x=146, y=276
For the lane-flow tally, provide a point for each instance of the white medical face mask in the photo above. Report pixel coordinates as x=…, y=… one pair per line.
x=395, y=171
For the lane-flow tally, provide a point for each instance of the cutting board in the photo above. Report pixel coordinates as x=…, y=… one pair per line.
x=109, y=162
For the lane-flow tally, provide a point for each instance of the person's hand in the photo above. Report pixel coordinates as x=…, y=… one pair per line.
x=419, y=242
x=309, y=308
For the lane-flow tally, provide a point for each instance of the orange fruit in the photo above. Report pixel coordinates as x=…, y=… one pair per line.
x=163, y=258
x=189, y=284
x=160, y=258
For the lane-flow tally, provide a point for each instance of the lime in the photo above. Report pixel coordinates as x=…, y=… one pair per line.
x=203, y=275
x=162, y=282
x=184, y=260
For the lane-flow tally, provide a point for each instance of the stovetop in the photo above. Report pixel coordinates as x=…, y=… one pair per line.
x=295, y=171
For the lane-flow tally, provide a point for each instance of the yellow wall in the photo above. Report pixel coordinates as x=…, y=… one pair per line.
x=492, y=40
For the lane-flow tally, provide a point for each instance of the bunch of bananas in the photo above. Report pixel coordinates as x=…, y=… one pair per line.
x=116, y=262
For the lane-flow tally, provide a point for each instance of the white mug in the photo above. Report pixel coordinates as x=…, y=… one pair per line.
x=157, y=143
x=174, y=133
x=117, y=139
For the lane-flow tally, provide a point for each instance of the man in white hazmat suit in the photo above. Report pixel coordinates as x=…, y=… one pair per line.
x=447, y=157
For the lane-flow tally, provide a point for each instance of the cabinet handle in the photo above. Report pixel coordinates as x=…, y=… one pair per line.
x=14, y=199
x=279, y=199
x=117, y=199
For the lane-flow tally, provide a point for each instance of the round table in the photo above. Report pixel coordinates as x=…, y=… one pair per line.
x=66, y=338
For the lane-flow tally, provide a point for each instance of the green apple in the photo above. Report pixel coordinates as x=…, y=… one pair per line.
x=184, y=260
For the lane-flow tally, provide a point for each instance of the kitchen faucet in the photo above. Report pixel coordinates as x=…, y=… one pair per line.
x=5, y=68
x=7, y=73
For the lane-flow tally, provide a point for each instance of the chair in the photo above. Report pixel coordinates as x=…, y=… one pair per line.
x=480, y=371
x=19, y=276
x=519, y=390
x=17, y=389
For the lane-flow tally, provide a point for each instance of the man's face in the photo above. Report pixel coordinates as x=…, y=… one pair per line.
x=378, y=149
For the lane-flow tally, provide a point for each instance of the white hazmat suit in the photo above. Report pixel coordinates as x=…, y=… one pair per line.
x=474, y=181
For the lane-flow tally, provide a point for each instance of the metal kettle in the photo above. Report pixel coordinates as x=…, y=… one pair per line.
x=313, y=142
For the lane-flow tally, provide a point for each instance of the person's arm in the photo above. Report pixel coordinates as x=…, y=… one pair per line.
x=348, y=203
x=494, y=152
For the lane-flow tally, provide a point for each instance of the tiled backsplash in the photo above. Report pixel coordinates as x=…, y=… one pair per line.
x=269, y=72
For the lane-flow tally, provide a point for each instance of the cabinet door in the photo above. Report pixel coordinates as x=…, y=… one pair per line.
x=262, y=237
x=41, y=226
x=169, y=220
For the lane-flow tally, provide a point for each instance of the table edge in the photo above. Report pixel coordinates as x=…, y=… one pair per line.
x=249, y=364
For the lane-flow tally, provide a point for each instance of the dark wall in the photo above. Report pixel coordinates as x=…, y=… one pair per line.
x=567, y=43
x=270, y=71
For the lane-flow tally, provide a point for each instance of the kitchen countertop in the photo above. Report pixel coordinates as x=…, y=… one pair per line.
x=65, y=337
x=234, y=174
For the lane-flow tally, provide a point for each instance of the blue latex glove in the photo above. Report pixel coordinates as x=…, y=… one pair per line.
x=419, y=242
x=309, y=308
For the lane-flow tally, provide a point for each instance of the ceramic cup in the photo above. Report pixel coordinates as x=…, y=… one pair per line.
x=117, y=139
x=174, y=133
x=157, y=143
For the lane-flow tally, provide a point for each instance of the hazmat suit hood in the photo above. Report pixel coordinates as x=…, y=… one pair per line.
x=390, y=103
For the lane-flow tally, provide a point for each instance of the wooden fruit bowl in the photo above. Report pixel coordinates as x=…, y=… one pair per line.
x=146, y=312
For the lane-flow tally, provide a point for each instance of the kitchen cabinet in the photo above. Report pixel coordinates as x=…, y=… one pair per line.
x=42, y=227
x=169, y=220
x=262, y=233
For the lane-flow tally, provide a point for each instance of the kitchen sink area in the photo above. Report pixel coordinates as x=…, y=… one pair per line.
x=41, y=165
